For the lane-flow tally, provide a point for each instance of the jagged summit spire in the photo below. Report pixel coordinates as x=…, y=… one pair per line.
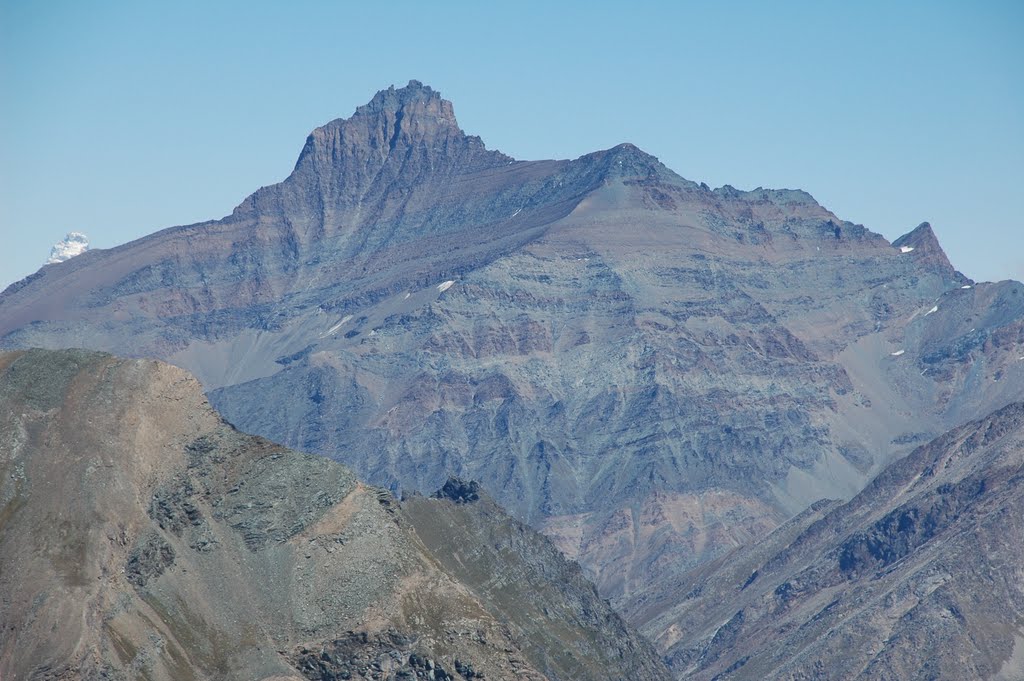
x=408, y=116
x=396, y=122
x=413, y=99
x=409, y=113
x=402, y=138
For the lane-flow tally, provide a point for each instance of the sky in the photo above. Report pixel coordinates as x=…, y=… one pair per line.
x=121, y=118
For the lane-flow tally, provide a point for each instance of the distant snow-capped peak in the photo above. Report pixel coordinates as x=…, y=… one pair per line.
x=75, y=243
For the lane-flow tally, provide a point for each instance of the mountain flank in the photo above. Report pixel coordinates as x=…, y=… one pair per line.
x=142, y=537
x=917, y=577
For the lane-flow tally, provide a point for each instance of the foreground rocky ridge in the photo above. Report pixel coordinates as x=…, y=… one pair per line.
x=651, y=371
x=141, y=537
x=917, y=577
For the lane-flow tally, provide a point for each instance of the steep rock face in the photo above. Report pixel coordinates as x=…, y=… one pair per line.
x=650, y=370
x=142, y=536
x=917, y=577
x=474, y=540
x=923, y=240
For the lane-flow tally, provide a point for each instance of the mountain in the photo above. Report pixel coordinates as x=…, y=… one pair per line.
x=917, y=577
x=651, y=371
x=142, y=537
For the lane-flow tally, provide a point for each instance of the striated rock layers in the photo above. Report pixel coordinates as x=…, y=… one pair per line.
x=651, y=371
x=917, y=577
x=142, y=537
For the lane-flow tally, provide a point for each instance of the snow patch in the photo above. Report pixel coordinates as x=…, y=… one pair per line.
x=75, y=243
x=897, y=353
x=934, y=309
x=906, y=249
x=963, y=287
x=337, y=326
x=444, y=286
x=407, y=296
x=518, y=211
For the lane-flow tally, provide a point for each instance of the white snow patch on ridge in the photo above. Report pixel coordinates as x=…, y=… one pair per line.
x=75, y=243
x=444, y=286
x=967, y=286
x=897, y=353
x=906, y=249
x=934, y=309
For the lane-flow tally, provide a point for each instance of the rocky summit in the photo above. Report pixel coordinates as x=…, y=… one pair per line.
x=651, y=371
x=142, y=537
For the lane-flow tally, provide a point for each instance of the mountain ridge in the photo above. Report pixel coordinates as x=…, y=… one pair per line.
x=387, y=108
x=651, y=371
x=911, y=579
x=143, y=536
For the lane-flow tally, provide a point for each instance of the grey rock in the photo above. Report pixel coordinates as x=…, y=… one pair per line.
x=460, y=491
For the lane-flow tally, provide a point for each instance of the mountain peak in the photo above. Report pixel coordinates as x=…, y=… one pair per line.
x=399, y=138
x=415, y=99
x=921, y=236
x=624, y=160
x=923, y=242
x=394, y=118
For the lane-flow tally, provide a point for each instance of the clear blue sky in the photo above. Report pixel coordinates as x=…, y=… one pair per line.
x=121, y=118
